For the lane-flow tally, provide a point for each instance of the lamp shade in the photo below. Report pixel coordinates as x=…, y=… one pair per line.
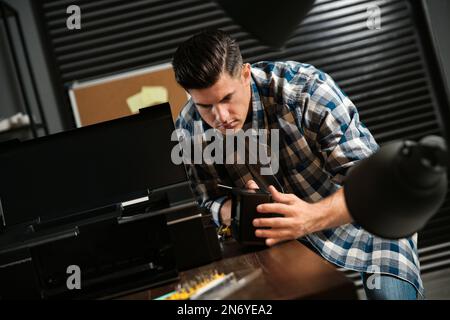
x=271, y=22
x=393, y=193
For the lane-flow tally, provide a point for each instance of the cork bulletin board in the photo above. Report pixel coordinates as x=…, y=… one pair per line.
x=120, y=95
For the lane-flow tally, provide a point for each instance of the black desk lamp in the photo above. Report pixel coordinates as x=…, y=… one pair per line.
x=271, y=22
x=397, y=190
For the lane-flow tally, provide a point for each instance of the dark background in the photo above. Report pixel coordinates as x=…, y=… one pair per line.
x=387, y=73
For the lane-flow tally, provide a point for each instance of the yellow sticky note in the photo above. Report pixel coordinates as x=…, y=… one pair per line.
x=152, y=95
x=135, y=103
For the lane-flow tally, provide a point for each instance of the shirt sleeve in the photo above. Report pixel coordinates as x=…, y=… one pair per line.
x=339, y=136
x=203, y=183
x=214, y=207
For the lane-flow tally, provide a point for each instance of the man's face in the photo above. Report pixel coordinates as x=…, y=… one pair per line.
x=226, y=103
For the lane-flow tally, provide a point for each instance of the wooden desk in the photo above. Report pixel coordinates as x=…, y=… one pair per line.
x=289, y=271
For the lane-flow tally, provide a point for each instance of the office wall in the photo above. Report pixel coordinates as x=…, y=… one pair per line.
x=55, y=105
x=439, y=15
x=382, y=70
x=10, y=99
x=10, y=96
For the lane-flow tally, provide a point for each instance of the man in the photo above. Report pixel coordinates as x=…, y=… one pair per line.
x=321, y=136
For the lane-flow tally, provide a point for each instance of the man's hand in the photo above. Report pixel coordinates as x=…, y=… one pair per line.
x=300, y=217
x=225, y=211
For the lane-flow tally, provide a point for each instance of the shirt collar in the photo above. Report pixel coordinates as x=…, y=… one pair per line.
x=259, y=120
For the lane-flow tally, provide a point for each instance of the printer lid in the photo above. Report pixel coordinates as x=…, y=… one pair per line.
x=90, y=167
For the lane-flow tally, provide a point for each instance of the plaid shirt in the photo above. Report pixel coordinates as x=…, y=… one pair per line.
x=321, y=136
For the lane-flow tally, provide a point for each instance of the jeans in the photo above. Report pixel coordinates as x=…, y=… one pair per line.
x=387, y=287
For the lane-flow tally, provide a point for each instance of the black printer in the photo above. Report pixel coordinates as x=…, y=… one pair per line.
x=105, y=201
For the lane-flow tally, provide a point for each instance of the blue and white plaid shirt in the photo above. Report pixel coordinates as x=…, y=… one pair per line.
x=321, y=137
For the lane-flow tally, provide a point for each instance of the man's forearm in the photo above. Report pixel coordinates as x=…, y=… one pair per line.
x=333, y=211
x=300, y=217
x=225, y=213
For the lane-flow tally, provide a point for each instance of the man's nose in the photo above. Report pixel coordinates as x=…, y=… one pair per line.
x=222, y=113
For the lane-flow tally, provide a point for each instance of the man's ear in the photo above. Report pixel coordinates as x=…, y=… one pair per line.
x=246, y=73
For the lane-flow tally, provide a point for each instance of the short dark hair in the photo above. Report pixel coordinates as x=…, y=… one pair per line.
x=199, y=61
